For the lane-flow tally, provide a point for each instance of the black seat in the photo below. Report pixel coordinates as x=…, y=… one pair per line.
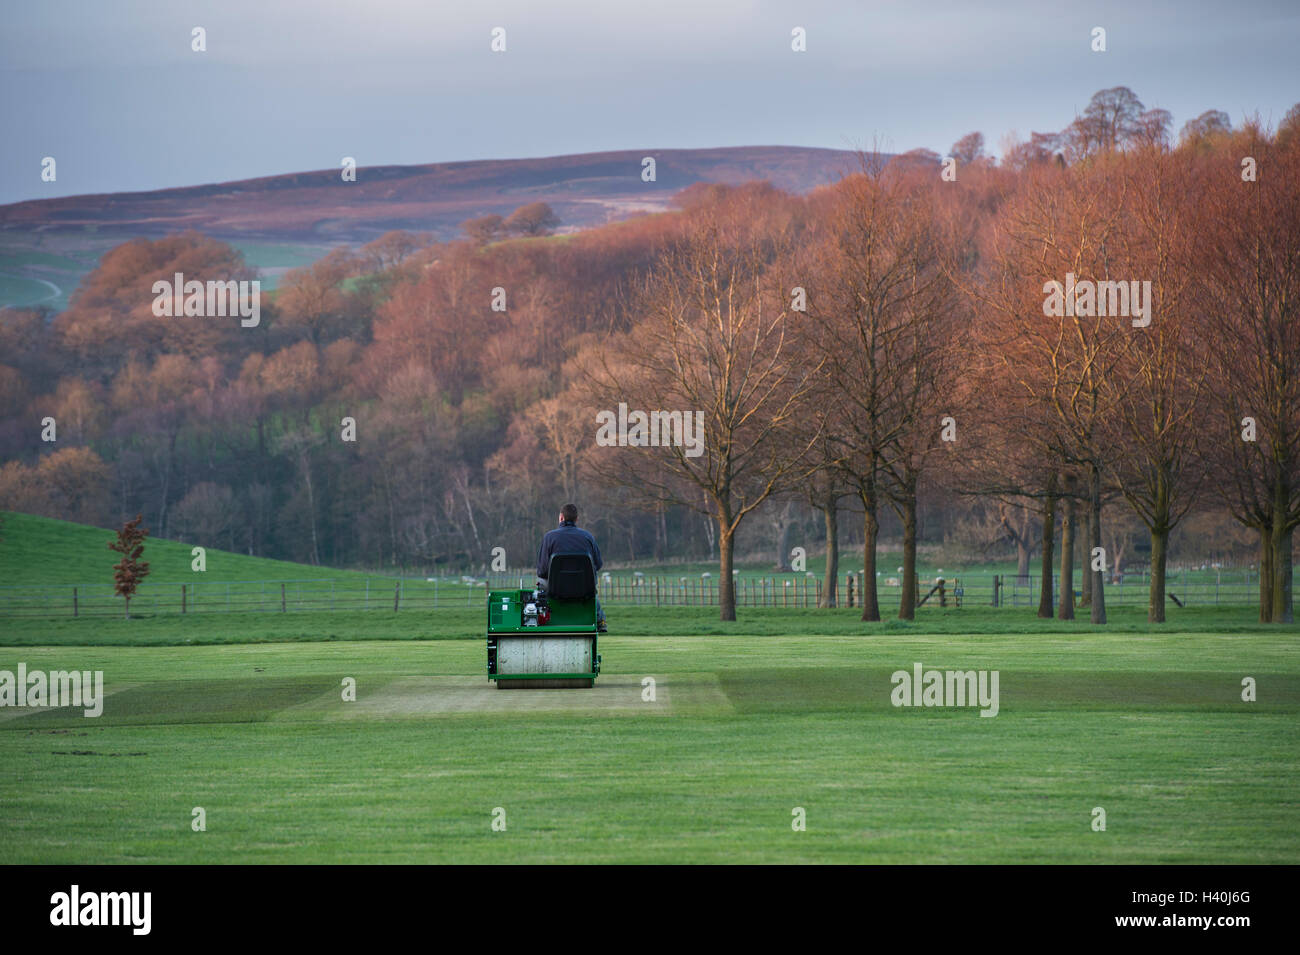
x=571, y=577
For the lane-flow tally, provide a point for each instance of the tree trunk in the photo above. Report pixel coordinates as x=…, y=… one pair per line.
x=727, y=583
x=907, y=602
x=1020, y=531
x=1022, y=559
x=785, y=525
x=1160, y=527
x=1049, y=552
x=870, y=531
x=1117, y=551
x=1265, y=574
x=1282, y=543
x=311, y=511
x=166, y=485
x=1085, y=575
x=831, y=512
x=1159, y=558
x=661, y=533
x=1094, y=541
x=1066, y=611
x=708, y=525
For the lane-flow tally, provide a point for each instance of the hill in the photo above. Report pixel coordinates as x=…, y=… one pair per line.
x=585, y=189
x=279, y=222
x=43, y=552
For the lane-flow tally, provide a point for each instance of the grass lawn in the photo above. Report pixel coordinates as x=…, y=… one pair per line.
x=44, y=552
x=242, y=714
x=461, y=621
x=781, y=710
x=19, y=291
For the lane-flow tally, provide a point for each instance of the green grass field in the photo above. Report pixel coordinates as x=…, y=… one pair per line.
x=28, y=260
x=41, y=551
x=745, y=727
x=243, y=715
x=47, y=553
x=65, y=259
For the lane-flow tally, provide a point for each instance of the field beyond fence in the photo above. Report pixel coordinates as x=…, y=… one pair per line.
x=393, y=594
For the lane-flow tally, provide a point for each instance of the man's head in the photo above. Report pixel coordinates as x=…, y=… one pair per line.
x=569, y=514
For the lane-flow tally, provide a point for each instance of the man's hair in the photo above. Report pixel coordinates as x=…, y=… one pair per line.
x=569, y=512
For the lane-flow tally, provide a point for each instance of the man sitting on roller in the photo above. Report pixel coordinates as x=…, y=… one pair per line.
x=569, y=538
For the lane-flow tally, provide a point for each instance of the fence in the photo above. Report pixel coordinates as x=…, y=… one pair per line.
x=235, y=596
x=1188, y=589
x=1196, y=588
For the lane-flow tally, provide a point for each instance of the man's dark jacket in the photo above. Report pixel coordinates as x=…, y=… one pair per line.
x=568, y=538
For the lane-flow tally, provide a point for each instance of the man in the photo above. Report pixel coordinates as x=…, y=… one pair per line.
x=569, y=538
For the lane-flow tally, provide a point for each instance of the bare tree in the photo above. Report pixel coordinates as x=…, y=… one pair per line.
x=1204, y=129
x=824, y=489
x=1160, y=380
x=878, y=287
x=484, y=229
x=1059, y=229
x=1249, y=261
x=926, y=373
x=1153, y=129
x=715, y=340
x=1113, y=119
x=392, y=249
x=534, y=219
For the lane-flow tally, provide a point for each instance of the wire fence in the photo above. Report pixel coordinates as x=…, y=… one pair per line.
x=396, y=595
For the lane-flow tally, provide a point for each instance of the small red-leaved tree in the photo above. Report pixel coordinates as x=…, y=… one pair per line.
x=130, y=570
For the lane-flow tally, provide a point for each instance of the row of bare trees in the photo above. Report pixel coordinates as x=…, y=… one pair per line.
x=924, y=360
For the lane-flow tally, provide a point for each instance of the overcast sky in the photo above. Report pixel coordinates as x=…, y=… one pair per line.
x=112, y=90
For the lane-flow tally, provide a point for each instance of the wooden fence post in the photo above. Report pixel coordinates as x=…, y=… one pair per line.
x=997, y=590
x=281, y=598
x=397, y=595
x=183, y=594
x=74, y=601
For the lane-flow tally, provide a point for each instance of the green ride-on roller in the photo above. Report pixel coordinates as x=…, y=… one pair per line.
x=539, y=640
